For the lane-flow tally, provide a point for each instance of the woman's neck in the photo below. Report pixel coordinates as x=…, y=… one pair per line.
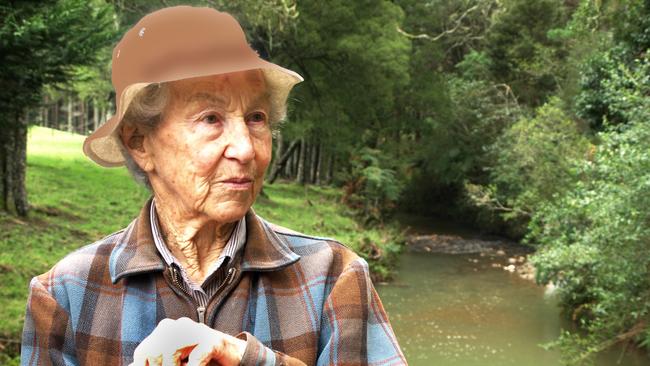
x=194, y=239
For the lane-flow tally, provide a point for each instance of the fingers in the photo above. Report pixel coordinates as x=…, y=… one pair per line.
x=181, y=355
x=161, y=347
x=147, y=361
x=222, y=351
x=160, y=360
x=164, y=359
x=183, y=341
x=155, y=361
x=204, y=355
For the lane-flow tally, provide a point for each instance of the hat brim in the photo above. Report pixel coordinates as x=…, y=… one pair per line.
x=104, y=147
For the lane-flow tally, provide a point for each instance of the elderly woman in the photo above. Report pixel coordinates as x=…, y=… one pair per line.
x=198, y=277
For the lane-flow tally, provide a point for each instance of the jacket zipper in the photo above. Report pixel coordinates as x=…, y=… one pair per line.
x=232, y=271
x=200, y=310
x=228, y=280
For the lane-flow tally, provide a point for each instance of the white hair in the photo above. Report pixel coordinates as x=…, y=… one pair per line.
x=145, y=112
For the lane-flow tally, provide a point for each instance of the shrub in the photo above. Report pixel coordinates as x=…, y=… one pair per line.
x=534, y=158
x=594, y=240
x=372, y=189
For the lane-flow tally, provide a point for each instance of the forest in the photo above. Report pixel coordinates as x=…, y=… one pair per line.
x=526, y=119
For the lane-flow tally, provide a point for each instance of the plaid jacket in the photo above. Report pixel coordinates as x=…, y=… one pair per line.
x=294, y=298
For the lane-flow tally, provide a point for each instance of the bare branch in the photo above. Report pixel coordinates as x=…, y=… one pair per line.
x=481, y=196
x=632, y=333
x=507, y=95
x=456, y=26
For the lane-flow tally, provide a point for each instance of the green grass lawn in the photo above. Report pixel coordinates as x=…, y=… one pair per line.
x=75, y=202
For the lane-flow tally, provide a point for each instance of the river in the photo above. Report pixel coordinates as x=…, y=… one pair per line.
x=462, y=310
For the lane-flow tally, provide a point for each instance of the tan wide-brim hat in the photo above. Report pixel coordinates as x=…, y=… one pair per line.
x=177, y=43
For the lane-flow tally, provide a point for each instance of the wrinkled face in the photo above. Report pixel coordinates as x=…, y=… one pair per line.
x=210, y=151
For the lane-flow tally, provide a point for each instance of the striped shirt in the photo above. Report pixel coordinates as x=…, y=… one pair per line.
x=201, y=294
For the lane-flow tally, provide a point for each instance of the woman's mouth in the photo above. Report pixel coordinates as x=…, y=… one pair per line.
x=237, y=183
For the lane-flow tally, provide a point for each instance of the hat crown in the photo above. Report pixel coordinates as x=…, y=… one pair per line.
x=172, y=39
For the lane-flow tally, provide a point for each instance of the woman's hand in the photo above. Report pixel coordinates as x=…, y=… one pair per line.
x=186, y=342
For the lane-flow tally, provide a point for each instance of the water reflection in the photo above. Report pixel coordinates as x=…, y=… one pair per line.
x=458, y=310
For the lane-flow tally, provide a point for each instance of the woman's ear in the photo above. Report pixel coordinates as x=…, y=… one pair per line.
x=133, y=141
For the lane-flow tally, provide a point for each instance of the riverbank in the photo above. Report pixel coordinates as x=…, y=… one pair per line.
x=493, y=252
x=465, y=298
x=75, y=203
x=438, y=236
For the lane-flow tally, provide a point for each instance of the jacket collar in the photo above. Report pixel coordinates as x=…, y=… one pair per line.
x=135, y=251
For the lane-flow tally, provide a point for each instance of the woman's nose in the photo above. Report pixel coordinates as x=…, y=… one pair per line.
x=239, y=145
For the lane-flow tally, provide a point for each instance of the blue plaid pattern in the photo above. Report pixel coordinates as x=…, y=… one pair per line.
x=295, y=299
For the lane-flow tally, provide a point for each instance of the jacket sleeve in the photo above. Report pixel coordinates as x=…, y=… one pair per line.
x=47, y=338
x=354, y=327
x=257, y=353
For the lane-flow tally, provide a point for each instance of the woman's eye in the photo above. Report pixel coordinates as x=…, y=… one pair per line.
x=256, y=117
x=210, y=119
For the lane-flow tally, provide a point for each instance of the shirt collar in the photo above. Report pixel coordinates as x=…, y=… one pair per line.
x=135, y=251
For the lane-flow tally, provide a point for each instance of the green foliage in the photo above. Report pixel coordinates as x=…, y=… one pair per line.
x=534, y=160
x=41, y=40
x=631, y=26
x=491, y=61
x=610, y=88
x=353, y=59
x=475, y=66
x=523, y=54
x=93, y=81
x=593, y=101
x=465, y=114
x=372, y=189
x=594, y=239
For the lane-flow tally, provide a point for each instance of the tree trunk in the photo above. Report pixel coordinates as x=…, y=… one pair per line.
x=84, y=116
x=4, y=172
x=329, y=169
x=8, y=167
x=95, y=115
x=308, y=155
x=55, y=121
x=288, y=167
x=102, y=116
x=306, y=163
x=41, y=115
x=282, y=161
x=300, y=175
x=319, y=164
x=314, y=162
x=46, y=115
x=109, y=110
x=277, y=152
x=286, y=170
x=294, y=160
x=20, y=166
x=45, y=108
x=69, y=113
x=13, y=157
